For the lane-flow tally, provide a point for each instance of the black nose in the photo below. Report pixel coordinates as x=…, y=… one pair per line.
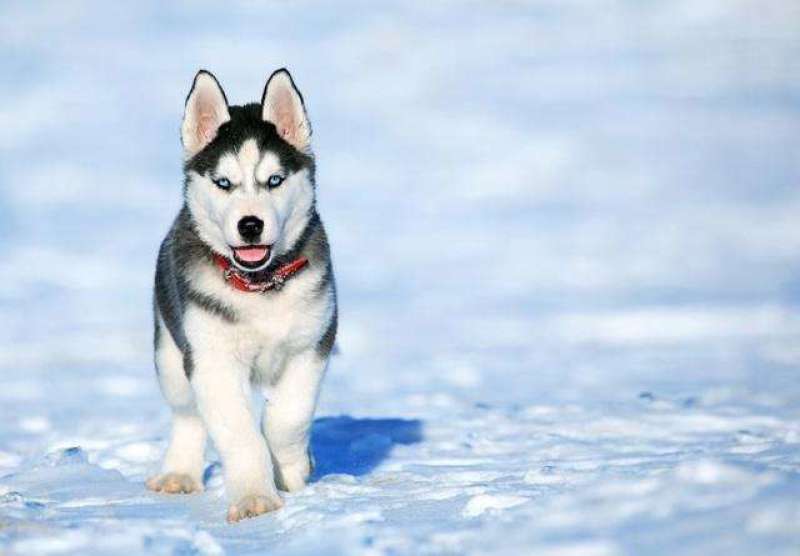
x=250, y=228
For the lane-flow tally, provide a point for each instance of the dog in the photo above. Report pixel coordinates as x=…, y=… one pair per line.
x=245, y=298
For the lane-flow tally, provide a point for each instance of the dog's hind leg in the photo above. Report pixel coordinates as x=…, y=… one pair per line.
x=288, y=416
x=182, y=468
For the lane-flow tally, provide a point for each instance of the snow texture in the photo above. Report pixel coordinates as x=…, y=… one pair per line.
x=566, y=236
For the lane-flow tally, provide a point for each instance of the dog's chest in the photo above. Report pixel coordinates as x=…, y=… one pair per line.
x=268, y=327
x=275, y=327
x=275, y=320
x=271, y=326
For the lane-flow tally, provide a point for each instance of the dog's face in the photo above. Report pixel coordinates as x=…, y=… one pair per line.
x=249, y=170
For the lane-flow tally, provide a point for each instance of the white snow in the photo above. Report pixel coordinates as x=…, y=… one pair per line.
x=567, y=246
x=483, y=503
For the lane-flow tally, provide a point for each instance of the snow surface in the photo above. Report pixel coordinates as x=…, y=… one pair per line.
x=566, y=238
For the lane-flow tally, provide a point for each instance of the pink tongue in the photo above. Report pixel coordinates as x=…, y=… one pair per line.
x=251, y=254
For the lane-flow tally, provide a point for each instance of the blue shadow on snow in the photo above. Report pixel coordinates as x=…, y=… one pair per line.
x=355, y=446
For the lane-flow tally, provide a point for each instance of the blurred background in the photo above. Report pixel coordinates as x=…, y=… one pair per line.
x=581, y=202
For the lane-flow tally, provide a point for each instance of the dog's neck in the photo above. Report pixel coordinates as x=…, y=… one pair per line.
x=261, y=281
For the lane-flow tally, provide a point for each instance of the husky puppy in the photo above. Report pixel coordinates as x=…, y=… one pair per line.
x=244, y=297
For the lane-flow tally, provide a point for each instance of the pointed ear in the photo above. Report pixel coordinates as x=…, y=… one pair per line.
x=282, y=105
x=206, y=110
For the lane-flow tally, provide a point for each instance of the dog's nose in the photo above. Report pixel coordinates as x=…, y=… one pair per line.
x=250, y=228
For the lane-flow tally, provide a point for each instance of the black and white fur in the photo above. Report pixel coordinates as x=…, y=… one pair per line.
x=213, y=343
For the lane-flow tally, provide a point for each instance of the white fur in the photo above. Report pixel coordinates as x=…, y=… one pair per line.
x=187, y=444
x=287, y=419
x=172, y=378
x=184, y=454
x=221, y=383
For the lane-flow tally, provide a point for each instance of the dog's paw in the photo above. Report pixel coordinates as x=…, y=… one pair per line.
x=291, y=478
x=174, y=483
x=252, y=506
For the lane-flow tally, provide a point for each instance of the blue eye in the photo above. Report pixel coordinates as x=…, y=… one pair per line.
x=222, y=183
x=275, y=180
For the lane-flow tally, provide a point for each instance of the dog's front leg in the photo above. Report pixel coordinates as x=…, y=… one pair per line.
x=222, y=391
x=288, y=417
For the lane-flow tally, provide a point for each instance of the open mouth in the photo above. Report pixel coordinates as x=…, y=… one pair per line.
x=251, y=256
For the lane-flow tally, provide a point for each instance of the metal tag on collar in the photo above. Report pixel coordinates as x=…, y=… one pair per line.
x=277, y=282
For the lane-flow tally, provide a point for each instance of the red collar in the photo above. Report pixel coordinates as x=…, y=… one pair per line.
x=274, y=281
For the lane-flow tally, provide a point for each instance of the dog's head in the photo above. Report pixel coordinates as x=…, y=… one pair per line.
x=249, y=169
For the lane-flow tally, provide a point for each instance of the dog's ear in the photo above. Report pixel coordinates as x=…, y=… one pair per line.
x=282, y=105
x=206, y=110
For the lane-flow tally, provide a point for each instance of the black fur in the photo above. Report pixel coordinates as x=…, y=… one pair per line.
x=180, y=249
x=212, y=305
x=325, y=345
x=246, y=123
